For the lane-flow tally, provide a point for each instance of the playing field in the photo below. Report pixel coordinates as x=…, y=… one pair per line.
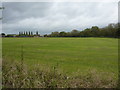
x=69, y=54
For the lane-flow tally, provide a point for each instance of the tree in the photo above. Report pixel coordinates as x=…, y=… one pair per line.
x=111, y=30
x=62, y=34
x=74, y=33
x=19, y=33
x=29, y=33
x=87, y=33
x=118, y=30
x=36, y=32
x=45, y=35
x=26, y=34
x=55, y=34
x=3, y=34
x=95, y=31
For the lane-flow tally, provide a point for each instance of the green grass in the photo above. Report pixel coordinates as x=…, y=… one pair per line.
x=71, y=54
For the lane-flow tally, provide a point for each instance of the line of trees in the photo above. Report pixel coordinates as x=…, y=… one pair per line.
x=21, y=34
x=112, y=30
x=28, y=34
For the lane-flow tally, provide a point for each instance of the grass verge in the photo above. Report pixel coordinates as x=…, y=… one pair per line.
x=17, y=75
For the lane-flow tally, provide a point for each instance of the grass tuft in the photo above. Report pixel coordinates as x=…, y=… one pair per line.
x=15, y=77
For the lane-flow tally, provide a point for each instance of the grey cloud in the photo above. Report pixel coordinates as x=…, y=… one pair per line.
x=57, y=16
x=15, y=11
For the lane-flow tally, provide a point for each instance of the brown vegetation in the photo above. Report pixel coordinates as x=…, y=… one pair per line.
x=16, y=75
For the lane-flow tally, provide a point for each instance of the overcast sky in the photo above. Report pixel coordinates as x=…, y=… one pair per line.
x=47, y=17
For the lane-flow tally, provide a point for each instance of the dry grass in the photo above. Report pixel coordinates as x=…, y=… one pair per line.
x=16, y=75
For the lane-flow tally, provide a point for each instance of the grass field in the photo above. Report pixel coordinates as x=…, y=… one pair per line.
x=70, y=54
x=60, y=62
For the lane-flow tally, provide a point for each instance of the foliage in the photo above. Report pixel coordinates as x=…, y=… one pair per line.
x=109, y=31
x=28, y=34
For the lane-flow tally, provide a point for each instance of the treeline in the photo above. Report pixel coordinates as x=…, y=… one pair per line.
x=28, y=34
x=112, y=30
x=22, y=34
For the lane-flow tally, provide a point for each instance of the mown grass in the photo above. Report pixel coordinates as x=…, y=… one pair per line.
x=72, y=56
